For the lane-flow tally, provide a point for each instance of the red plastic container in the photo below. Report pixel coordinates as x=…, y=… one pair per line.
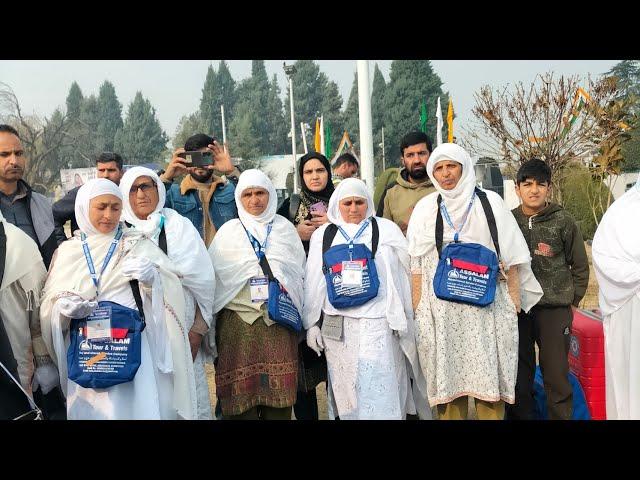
x=586, y=359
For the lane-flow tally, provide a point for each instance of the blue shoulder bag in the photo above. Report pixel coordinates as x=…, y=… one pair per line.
x=280, y=306
x=466, y=272
x=105, y=363
x=341, y=296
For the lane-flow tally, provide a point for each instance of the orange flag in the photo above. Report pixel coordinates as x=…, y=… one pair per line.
x=316, y=139
x=450, y=121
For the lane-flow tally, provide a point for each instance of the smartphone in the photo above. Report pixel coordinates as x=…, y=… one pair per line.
x=197, y=158
x=318, y=207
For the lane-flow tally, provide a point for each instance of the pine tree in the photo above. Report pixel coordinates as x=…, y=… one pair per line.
x=74, y=102
x=330, y=108
x=410, y=82
x=109, y=117
x=277, y=126
x=351, y=123
x=308, y=92
x=210, y=121
x=141, y=139
x=377, y=116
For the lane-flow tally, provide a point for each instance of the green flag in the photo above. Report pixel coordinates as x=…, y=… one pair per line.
x=327, y=141
x=423, y=116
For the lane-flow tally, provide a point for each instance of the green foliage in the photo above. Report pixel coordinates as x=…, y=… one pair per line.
x=74, y=102
x=351, y=122
x=141, y=139
x=410, y=82
x=187, y=126
x=578, y=190
x=109, y=116
x=219, y=89
x=378, y=117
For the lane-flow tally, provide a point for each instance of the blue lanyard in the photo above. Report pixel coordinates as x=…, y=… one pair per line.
x=351, y=240
x=260, y=250
x=87, y=256
x=446, y=216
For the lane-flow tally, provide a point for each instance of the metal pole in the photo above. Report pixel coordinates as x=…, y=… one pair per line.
x=383, y=164
x=293, y=138
x=366, y=129
x=224, y=129
x=304, y=137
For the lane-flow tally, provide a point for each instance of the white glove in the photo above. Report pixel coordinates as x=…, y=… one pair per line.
x=46, y=377
x=75, y=306
x=139, y=268
x=314, y=339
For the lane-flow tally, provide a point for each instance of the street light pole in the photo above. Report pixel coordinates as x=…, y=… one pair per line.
x=290, y=70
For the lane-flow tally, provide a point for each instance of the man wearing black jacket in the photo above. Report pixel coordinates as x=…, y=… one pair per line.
x=20, y=205
x=109, y=166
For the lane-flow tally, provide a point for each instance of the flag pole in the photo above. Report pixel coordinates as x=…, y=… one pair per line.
x=224, y=129
x=365, y=124
x=304, y=138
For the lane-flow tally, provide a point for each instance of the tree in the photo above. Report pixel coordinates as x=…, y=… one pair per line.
x=351, y=120
x=74, y=102
x=308, y=91
x=141, y=139
x=276, y=125
x=219, y=89
x=330, y=108
x=41, y=139
x=109, y=117
x=549, y=119
x=628, y=74
x=377, y=116
x=411, y=81
x=187, y=126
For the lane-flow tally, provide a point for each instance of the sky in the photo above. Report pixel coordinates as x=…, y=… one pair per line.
x=174, y=86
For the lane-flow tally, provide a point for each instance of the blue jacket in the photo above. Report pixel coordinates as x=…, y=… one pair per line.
x=186, y=202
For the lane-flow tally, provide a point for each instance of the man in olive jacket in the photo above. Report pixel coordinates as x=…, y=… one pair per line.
x=411, y=184
x=560, y=264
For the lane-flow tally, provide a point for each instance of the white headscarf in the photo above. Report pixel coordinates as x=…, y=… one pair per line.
x=349, y=187
x=422, y=224
x=235, y=260
x=150, y=225
x=185, y=248
x=457, y=199
x=91, y=189
x=616, y=252
x=256, y=224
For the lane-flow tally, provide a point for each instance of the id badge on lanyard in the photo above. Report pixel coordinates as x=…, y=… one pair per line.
x=99, y=325
x=352, y=269
x=259, y=288
x=87, y=255
x=352, y=274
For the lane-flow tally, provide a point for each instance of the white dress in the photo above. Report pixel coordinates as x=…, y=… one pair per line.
x=464, y=349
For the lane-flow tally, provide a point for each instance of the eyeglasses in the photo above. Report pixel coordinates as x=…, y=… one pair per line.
x=145, y=187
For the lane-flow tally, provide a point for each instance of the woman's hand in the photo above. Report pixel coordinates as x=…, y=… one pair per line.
x=319, y=219
x=305, y=229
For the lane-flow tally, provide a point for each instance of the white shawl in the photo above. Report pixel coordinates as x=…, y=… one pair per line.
x=616, y=252
x=513, y=246
x=185, y=248
x=235, y=260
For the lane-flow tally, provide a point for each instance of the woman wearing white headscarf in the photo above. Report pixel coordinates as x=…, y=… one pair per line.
x=616, y=259
x=256, y=374
x=143, y=200
x=467, y=350
x=163, y=386
x=370, y=366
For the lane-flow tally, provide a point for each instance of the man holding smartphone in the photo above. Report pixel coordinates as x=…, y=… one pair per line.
x=206, y=199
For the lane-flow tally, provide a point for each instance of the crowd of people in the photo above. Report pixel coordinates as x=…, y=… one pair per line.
x=407, y=307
